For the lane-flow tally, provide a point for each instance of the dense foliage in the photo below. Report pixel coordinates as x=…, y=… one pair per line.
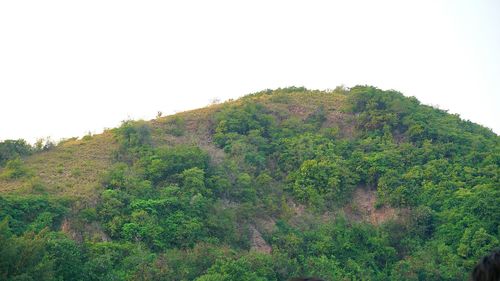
x=174, y=212
x=11, y=149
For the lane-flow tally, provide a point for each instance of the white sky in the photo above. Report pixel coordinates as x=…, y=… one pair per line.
x=69, y=67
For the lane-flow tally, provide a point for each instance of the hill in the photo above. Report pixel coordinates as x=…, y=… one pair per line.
x=348, y=184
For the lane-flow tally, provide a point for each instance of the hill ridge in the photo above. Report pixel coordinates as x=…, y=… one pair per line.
x=347, y=183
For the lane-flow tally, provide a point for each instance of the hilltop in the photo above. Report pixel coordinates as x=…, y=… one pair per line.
x=345, y=184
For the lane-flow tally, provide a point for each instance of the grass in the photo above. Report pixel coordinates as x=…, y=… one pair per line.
x=74, y=168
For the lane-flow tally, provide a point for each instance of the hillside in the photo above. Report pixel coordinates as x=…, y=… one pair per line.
x=348, y=184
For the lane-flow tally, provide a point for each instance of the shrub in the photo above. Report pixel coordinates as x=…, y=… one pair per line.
x=14, y=169
x=176, y=126
x=44, y=144
x=11, y=149
x=169, y=161
x=329, y=179
x=133, y=134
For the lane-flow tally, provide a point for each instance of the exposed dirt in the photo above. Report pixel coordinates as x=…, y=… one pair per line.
x=266, y=225
x=258, y=243
x=66, y=228
x=363, y=208
x=92, y=230
x=342, y=121
x=298, y=110
x=335, y=118
x=300, y=216
x=298, y=209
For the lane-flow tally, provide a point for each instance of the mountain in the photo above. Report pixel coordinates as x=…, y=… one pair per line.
x=347, y=184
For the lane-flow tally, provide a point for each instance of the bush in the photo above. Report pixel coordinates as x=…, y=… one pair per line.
x=133, y=136
x=316, y=179
x=166, y=162
x=14, y=169
x=239, y=121
x=44, y=144
x=11, y=149
x=176, y=126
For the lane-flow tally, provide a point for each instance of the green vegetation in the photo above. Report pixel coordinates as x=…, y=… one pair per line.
x=349, y=184
x=14, y=169
x=11, y=149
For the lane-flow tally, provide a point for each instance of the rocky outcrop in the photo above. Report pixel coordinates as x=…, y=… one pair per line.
x=258, y=243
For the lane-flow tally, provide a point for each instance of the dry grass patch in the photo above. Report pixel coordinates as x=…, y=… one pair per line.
x=73, y=168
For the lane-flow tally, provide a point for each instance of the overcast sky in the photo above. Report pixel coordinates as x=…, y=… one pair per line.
x=69, y=67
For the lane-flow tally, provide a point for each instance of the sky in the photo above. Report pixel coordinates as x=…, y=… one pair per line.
x=72, y=67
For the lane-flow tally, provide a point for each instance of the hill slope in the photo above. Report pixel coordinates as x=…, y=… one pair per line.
x=347, y=184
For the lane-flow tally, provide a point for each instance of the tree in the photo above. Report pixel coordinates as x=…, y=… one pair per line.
x=24, y=257
x=14, y=169
x=167, y=162
x=325, y=178
x=11, y=149
x=193, y=181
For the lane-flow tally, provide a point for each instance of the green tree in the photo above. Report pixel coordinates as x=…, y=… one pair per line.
x=318, y=179
x=11, y=149
x=14, y=169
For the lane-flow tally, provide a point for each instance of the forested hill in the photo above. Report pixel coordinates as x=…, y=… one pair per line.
x=348, y=184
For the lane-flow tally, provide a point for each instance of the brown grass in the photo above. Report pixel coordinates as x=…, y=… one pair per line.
x=74, y=167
